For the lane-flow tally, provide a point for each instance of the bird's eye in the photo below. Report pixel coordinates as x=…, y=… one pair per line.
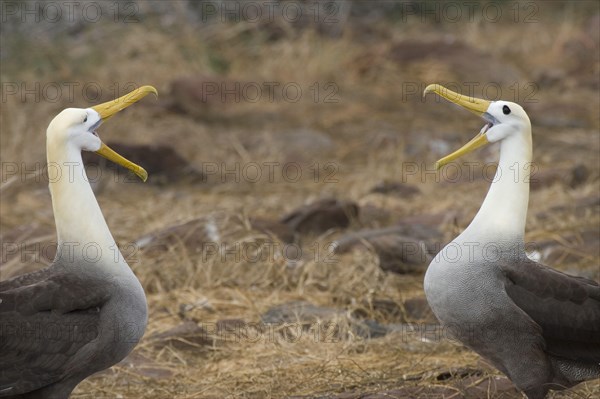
x=85, y=120
x=506, y=110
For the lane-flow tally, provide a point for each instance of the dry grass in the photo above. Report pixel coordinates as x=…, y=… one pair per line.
x=375, y=133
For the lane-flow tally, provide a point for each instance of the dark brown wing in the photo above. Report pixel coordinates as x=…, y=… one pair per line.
x=45, y=318
x=567, y=308
x=54, y=289
x=26, y=279
x=35, y=350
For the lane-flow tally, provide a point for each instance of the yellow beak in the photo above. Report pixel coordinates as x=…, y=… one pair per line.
x=108, y=109
x=475, y=105
x=111, y=155
x=477, y=141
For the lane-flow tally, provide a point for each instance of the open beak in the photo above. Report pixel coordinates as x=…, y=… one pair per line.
x=476, y=106
x=108, y=109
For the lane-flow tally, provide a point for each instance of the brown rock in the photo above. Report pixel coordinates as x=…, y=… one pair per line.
x=320, y=216
x=194, y=235
x=144, y=366
x=397, y=251
x=280, y=230
x=162, y=162
x=372, y=215
x=413, y=310
x=399, y=254
x=425, y=226
x=403, y=190
x=206, y=96
x=323, y=322
x=186, y=336
x=579, y=175
x=381, y=309
x=417, y=309
x=298, y=311
x=205, y=233
x=235, y=330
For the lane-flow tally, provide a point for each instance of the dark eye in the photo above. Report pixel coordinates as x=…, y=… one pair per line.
x=85, y=120
x=506, y=110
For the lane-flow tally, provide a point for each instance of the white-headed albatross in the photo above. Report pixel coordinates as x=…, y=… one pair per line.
x=87, y=310
x=537, y=325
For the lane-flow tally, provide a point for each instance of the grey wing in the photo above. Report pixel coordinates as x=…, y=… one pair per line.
x=54, y=290
x=35, y=350
x=567, y=308
x=26, y=279
x=44, y=322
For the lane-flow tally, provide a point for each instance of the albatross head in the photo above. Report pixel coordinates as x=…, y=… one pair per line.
x=77, y=127
x=504, y=119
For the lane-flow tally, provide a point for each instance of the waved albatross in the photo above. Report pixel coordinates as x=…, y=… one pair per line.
x=537, y=325
x=87, y=310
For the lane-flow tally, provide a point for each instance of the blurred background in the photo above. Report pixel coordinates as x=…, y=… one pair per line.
x=292, y=206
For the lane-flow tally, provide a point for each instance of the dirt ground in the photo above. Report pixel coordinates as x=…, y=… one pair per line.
x=296, y=111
